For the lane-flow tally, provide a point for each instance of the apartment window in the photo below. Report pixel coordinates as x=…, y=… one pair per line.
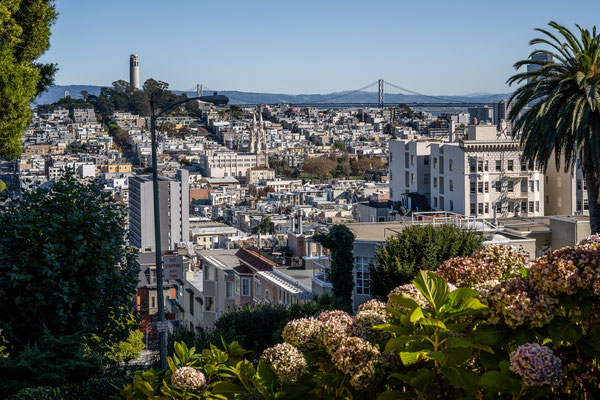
x=487, y=208
x=498, y=165
x=586, y=205
x=412, y=178
x=537, y=206
x=480, y=187
x=480, y=208
x=257, y=290
x=451, y=185
x=228, y=290
x=191, y=302
x=531, y=186
x=451, y=165
x=406, y=178
x=524, y=186
x=153, y=299
x=245, y=287
x=412, y=159
x=479, y=166
x=578, y=184
x=523, y=166
x=511, y=186
x=451, y=205
x=524, y=206
x=578, y=205
x=209, y=303
x=498, y=186
x=499, y=207
x=405, y=160
x=510, y=207
x=486, y=187
x=473, y=208
x=435, y=202
x=435, y=182
x=531, y=206
x=435, y=162
x=486, y=166
x=426, y=160
x=473, y=190
x=537, y=185
x=363, y=277
x=472, y=165
x=511, y=165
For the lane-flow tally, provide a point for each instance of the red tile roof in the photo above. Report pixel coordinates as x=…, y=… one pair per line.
x=255, y=260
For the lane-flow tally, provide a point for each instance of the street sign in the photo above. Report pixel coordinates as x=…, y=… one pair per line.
x=162, y=326
x=173, y=267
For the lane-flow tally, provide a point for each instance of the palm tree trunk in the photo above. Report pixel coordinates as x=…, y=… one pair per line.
x=591, y=174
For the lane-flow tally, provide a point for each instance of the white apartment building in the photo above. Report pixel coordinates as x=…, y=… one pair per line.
x=566, y=192
x=409, y=167
x=481, y=175
x=224, y=163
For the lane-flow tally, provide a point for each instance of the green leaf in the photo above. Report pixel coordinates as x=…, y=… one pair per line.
x=227, y=388
x=522, y=334
x=410, y=357
x=455, y=297
x=456, y=356
x=492, y=335
x=462, y=378
x=433, y=322
x=563, y=330
x=492, y=361
x=402, y=301
x=396, y=395
x=416, y=315
x=496, y=381
x=433, y=287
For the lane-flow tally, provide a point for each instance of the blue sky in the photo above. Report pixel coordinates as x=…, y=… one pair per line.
x=433, y=47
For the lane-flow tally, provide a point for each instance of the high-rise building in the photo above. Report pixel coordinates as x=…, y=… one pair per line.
x=538, y=57
x=501, y=111
x=134, y=71
x=483, y=114
x=174, y=202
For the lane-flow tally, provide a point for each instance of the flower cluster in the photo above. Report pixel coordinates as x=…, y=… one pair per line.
x=336, y=325
x=467, y=271
x=373, y=305
x=287, y=361
x=364, y=322
x=188, y=378
x=504, y=260
x=566, y=270
x=411, y=291
x=514, y=303
x=358, y=359
x=304, y=333
x=591, y=241
x=537, y=365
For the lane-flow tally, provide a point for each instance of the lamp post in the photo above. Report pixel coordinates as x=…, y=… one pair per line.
x=162, y=338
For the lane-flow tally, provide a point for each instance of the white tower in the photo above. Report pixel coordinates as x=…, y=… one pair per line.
x=134, y=71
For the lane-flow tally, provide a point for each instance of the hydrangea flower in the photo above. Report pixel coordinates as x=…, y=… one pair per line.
x=514, y=303
x=411, y=291
x=467, y=271
x=336, y=325
x=537, y=365
x=304, y=333
x=287, y=361
x=358, y=359
x=591, y=241
x=364, y=322
x=373, y=305
x=188, y=378
x=505, y=259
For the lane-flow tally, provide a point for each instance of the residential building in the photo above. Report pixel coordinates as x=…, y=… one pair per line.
x=174, y=210
x=566, y=192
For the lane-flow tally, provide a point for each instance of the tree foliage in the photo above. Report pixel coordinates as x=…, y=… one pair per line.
x=340, y=240
x=24, y=37
x=560, y=106
x=65, y=267
x=319, y=167
x=416, y=248
x=264, y=226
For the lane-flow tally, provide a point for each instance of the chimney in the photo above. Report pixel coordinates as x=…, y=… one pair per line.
x=300, y=222
x=293, y=228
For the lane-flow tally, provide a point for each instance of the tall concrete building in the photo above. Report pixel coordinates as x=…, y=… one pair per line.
x=134, y=71
x=538, y=57
x=174, y=202
x=483, y=114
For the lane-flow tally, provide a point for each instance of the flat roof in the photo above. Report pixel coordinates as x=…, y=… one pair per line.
x=376, y=231
x=221, y=258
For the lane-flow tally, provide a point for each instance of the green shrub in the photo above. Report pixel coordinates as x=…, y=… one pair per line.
x=51, y=362
x=91, y=389
x=417, y=248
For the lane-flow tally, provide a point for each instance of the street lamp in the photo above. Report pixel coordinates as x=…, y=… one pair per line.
x=214, y=99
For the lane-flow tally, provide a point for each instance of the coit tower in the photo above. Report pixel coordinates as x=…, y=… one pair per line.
x=134, y=71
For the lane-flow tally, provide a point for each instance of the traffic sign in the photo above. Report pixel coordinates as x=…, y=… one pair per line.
x=172, y=267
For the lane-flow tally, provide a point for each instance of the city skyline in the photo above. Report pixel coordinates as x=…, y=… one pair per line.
x=302, y=48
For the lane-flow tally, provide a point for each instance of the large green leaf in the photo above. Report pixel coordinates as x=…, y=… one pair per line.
x=462, y=378
x=433, y=287
x=456, y=356
x=403, y=301
x=227, y=388
x=563, y=330
x=496, y=381
x=416, y=315
x=396, y=395
x=492, y=335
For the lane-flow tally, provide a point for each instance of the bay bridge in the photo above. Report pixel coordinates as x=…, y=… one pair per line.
x=376, y=94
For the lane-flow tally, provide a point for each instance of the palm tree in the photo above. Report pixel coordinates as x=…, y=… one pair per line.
x=557, y=110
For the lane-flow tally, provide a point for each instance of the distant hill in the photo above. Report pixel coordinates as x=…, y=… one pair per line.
x=55, y=93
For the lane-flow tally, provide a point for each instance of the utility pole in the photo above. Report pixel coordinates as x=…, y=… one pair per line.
x=162, y=334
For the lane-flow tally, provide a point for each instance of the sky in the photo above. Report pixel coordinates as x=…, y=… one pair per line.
x=310, y=46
